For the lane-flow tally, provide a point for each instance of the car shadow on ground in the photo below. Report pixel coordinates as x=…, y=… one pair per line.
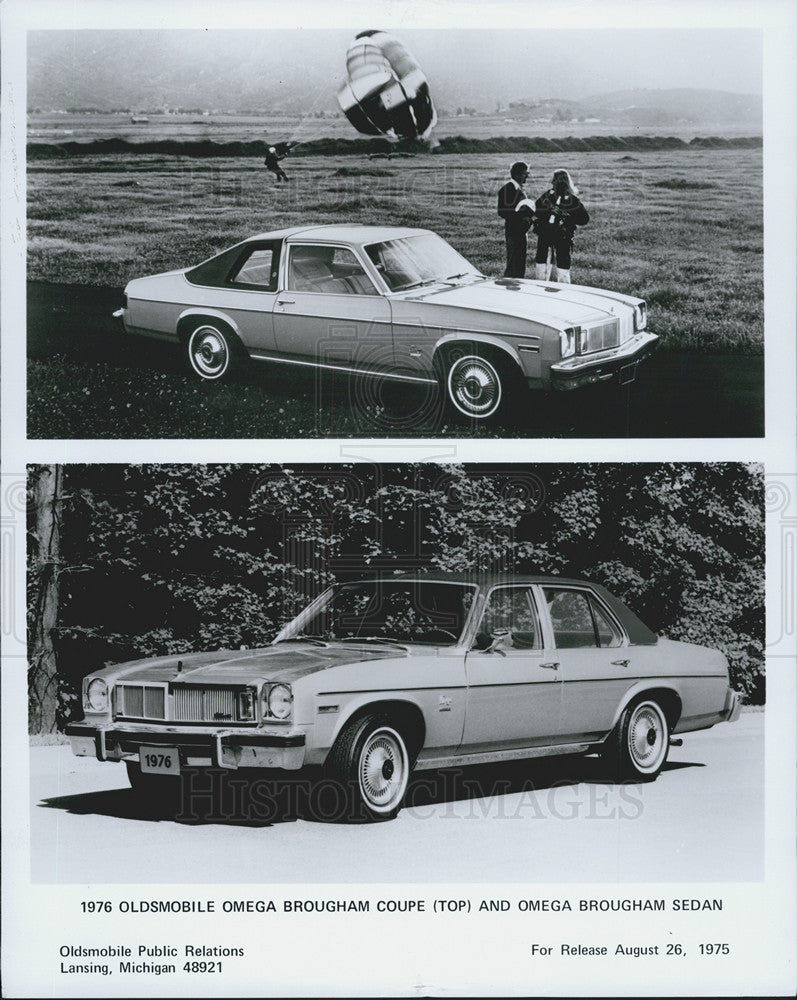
x=222, y=797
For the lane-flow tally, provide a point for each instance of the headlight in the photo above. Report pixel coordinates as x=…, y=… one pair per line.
x=95, y=698
x=567, y=340
x=640, y=316
x=279, y=701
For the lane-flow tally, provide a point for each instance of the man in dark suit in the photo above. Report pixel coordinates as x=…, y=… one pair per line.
x=516, y=224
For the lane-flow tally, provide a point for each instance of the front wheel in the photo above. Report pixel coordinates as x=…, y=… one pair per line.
x=370, y=761
x=212, y=351
x=478, y=384
x=641, y=742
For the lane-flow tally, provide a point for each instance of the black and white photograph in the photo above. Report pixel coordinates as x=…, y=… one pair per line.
x=269, y=656
x=398, y=503
x=336, y=233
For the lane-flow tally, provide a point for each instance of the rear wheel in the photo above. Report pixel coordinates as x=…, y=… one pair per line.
x=641, y=742
x=212, y=351
x=371, y=762
x=478, y=383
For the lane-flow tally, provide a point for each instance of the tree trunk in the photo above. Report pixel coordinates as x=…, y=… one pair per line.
x=45, y=486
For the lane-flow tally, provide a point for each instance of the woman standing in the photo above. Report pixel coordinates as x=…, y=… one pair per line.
x=558, y=212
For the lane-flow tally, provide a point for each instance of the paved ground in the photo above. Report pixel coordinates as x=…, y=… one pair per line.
x=675, y=395
x=552, y=821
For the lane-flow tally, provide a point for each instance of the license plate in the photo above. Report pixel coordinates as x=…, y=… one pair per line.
x=627, y=374
x=156, y=760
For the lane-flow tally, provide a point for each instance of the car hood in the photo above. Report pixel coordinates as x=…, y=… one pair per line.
x=549, y=303
x=286, y=662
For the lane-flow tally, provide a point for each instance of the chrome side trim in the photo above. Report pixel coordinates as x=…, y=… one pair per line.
x=491, y=756
x=343, y=368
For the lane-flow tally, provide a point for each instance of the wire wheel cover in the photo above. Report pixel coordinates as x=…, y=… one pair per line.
x=209, y=352
x=474, y=386
x=383, y=770
x=647, y=737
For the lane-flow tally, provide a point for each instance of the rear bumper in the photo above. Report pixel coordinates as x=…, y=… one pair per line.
x=199, y=746
x=619, y=363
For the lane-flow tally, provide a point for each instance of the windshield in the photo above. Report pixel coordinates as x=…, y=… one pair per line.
x=412, y=261
x=404, y=611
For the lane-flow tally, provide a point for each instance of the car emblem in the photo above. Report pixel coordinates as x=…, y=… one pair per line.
x=444, y=705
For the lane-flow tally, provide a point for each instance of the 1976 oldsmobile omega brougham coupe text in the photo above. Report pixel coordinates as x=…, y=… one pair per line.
x=392, y=302
x=379, y=677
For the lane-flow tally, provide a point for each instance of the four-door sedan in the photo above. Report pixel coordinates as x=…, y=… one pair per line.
x=391, y=302
x=379, y=677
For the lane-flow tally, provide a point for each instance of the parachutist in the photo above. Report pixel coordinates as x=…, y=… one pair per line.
x=272, y=161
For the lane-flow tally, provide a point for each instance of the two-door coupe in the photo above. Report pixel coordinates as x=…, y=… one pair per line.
x=394, y=303
x=379, y=677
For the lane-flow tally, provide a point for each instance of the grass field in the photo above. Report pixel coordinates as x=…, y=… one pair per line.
x=682, y=228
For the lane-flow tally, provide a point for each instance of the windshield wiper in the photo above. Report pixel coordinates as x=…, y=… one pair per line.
x=316, y=640
x=418, y=284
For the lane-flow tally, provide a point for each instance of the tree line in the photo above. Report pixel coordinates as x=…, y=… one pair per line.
x=127, y=561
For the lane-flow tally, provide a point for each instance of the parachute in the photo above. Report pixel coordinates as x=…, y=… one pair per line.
x=386, y=92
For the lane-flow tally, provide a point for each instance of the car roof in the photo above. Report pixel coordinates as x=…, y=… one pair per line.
x=341, y=233
x=484, y=579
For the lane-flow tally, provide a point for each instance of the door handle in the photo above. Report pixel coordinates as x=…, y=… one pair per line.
x=286, y=302
x=550, y=666
x=620, y=663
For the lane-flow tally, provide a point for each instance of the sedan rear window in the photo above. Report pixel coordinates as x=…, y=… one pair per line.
x=578, y=620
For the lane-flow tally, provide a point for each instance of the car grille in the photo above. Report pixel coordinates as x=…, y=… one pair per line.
x=141, y=701
x=601, y=337
x=200, y=704
x=189, y=703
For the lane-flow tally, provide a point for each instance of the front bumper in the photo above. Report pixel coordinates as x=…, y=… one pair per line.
x=733, y=705
x=619, y=363
x=199, y=746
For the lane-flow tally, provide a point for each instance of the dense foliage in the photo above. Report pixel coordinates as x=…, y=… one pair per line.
x=166, y=558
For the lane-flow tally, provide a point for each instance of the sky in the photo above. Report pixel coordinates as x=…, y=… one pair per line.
x=464, y=66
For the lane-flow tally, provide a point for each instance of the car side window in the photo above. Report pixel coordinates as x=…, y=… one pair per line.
x=258, y=270
x=571, y=618
x=333, y=270
x=578, y=620
x=608, y=633
x=513, y=609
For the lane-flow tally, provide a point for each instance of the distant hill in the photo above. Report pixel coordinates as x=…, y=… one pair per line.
x=651, y=108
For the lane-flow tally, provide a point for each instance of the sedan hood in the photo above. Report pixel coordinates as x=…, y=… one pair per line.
x=551, y=304
x=283, y=662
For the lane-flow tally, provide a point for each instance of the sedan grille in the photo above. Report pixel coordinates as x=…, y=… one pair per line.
x=601, y=337
x=141, y=701
x=205, y=704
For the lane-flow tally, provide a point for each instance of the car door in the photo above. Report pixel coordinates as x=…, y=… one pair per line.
x=251, y=293
x=594, y=656
x=514, y=694
x=330, y=311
